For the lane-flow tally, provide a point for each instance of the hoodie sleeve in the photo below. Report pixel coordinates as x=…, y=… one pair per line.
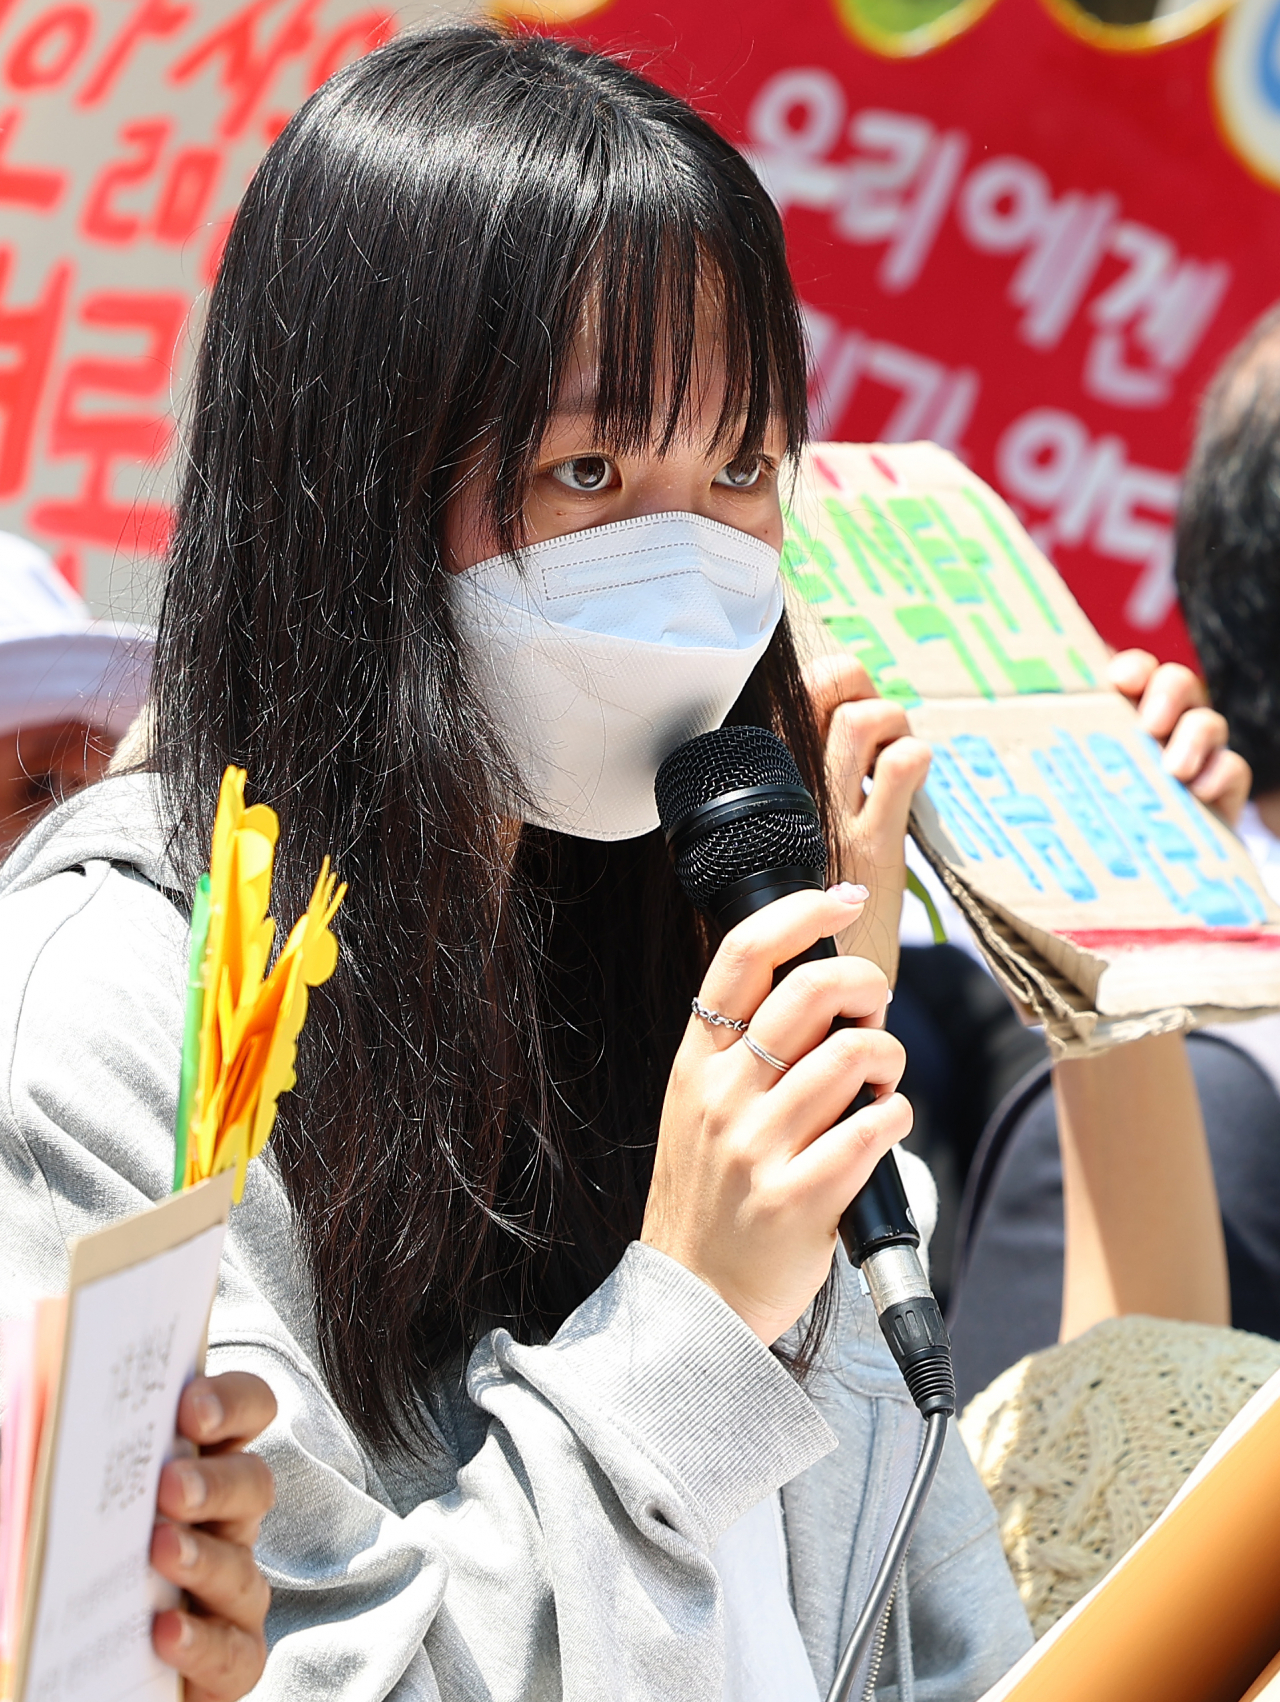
x=563, y=1551
x=570, y=1554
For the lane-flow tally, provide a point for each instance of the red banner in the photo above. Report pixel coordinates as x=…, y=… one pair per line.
x=1017, y=232
x=1020, y=233
x=128, y=130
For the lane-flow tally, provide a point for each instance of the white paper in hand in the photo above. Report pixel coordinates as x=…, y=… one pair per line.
x=132, y=1343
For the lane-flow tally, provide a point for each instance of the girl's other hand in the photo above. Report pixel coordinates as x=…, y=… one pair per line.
x=755, y=1166
x=863, y=732
x=211, y=1507
x=1172, y=704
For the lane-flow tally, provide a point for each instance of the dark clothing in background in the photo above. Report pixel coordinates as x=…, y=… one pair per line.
x=1006, y=1291
x=966, y=1050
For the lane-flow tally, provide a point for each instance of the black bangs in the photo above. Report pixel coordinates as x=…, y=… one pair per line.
x=661, y=282
x=612, y=213
x=446, y=218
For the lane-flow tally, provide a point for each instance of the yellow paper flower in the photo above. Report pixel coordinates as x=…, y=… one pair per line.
x=250, y=1020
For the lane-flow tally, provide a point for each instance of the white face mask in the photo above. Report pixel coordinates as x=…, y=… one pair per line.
x=610, y=647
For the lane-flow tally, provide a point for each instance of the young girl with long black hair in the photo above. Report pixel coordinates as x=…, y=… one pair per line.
x=501, y=376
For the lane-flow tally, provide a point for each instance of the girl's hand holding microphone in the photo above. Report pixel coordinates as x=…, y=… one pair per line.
x=756, y=1164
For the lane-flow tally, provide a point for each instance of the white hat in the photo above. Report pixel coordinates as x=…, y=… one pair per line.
x=56, y=662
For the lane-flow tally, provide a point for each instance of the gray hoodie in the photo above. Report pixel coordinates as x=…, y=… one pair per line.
x=559, y=1545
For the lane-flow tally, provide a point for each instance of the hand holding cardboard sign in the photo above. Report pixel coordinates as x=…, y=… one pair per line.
x=1172, y=704
x=211, y=1508
x=95, y=1380
x=863, y=731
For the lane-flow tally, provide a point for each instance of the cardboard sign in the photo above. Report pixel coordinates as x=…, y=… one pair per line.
x=1108, y=901
x=1018, y=232
x=136, y=1316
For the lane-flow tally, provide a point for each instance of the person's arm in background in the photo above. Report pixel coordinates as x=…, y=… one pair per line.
x=1143, y=1230
x=211, y=1507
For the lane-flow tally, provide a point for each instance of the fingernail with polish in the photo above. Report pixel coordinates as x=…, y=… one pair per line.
x=194, y=1490
x=848, y=893
x=188, y=1548
x=208, y=1410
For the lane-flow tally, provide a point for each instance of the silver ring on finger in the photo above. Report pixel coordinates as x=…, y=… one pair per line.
x=716, y=1019
x=765, y=1057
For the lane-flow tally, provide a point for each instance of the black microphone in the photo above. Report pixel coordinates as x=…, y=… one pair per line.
x=743, y=830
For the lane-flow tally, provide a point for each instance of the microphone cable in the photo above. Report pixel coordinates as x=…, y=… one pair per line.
x=874, y=1613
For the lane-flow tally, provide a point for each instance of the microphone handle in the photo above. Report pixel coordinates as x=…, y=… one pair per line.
x=879, y=1215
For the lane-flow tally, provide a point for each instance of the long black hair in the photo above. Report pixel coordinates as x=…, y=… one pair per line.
x=472, y=1140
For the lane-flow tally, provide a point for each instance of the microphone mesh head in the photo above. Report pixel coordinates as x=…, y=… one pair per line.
x=727, y=760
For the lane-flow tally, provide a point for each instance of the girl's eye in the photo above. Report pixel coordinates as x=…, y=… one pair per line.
x=585, y=473
x=739, y=478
